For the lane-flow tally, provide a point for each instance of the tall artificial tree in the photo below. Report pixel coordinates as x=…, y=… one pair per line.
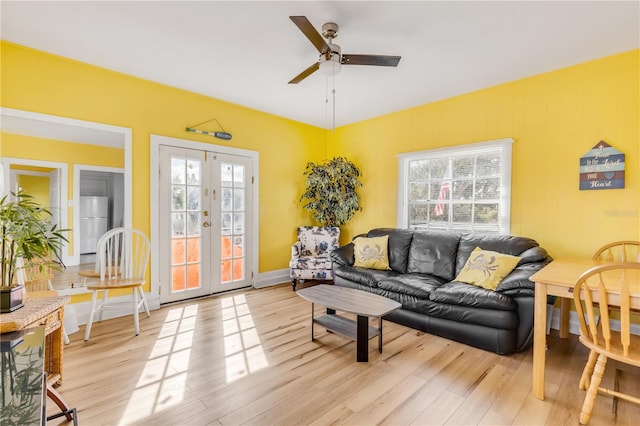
x=331, y=194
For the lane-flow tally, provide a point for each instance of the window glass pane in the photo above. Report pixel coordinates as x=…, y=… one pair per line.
x=463, y=167
x=238, y=269
x=418, y=191
x=487, y=189
x=461, y=212
x=177, y=251
x=177, y=197
x=193, y=223
x=462, y=190
x=418, y=170
x=439, y=212
x=226, y=174
x=418, y=213
x=439, y=168
x=193, y=172
x=488, y=165
x=238, y=246
x=177, y=224
x=226, y=199
x=238, y=175
x=177, y=171
x=238, y=199
x=238, y=223
x=486, y=213
x=193, y=198
x=226, y=224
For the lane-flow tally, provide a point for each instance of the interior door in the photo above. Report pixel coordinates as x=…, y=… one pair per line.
x=205, y=212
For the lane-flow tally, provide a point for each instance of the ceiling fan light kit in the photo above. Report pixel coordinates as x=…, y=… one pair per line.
x=331, y=58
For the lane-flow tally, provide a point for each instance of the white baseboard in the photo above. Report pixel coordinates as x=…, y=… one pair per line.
x=266, y=279
x=81, y=310
x=574, y=323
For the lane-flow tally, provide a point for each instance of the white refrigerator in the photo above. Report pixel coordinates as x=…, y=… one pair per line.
x=94, y=220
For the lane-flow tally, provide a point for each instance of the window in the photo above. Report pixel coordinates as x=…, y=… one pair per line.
x=464, y=188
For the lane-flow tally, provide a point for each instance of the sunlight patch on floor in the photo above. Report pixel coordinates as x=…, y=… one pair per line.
x=162, y=383
x=242, y=347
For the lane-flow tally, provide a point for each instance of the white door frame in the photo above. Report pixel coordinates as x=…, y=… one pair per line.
x=63, y=168
x=154, y=189
x=79, y=131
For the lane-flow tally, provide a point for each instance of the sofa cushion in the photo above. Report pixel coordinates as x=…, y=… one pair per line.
x=371, y=253
x=507, y=244
x=434, y=253
x=399, y=243
x=462, y=294
x=362, y=276
x=486, y=268
x=419, y=285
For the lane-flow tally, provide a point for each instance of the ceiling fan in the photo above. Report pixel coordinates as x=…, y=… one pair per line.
x=331, y=58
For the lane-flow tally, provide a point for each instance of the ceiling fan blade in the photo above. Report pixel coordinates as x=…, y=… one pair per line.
x=379, y=60
x=314, y=36
x=304, y=74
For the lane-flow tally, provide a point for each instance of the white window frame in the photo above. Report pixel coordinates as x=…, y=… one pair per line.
x=504, y=211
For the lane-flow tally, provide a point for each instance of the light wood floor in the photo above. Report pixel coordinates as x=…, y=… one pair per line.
x=247, y=358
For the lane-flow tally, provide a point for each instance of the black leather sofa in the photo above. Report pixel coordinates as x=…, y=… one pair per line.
x=424, y=265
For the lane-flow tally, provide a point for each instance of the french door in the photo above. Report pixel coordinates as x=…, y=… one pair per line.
x=205, y=217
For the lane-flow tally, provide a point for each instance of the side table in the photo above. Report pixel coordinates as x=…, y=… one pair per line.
x=44, y=309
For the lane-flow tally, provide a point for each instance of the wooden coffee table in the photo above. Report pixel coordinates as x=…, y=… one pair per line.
x=350, y=300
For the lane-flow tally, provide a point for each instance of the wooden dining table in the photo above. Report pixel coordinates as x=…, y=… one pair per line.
x=558, y=278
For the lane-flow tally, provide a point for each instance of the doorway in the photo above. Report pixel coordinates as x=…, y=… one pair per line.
x=206, y=221
x=99, y=192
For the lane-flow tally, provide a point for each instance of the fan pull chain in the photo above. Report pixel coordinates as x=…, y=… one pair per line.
x=333, y=93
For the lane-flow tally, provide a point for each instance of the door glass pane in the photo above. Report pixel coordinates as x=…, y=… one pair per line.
x=226, y=199
x=186, y=243
x=233, y=226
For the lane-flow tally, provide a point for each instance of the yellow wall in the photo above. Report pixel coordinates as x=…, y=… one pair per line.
x=37, y=187
x=41, y=82
x=555, y=118
x=32, y=148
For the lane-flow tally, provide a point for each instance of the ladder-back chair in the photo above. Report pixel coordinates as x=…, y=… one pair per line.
x=122, y=256
x=619, y=251
x=600, y=290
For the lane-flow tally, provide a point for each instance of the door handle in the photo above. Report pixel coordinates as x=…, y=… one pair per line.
x=206, y=224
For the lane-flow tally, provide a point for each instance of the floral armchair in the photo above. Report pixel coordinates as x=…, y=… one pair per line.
x=310, y=254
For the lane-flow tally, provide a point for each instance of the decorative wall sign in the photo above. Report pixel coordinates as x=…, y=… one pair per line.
x=602, y=168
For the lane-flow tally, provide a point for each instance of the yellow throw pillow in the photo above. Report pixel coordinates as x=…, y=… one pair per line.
x=372, y=253
x=486, y=268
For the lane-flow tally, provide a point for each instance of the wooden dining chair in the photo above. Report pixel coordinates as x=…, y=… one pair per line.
x=600, y=290
x=619, y=251
x=122, y=256
x=36, y=278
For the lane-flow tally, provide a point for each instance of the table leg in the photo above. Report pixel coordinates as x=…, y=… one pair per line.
x=380, y=334
x=362, y=339
x=539, y=339
x=564, y=317
x=60, y=402
x=57, y=347
x=312, y=319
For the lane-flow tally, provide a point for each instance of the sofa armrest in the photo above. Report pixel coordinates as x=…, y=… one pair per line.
x=343, y=255
x=518, y=281
x=295, y=249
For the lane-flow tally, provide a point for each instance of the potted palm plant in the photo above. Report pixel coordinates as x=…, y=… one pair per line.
x=331, y=191
x=26, y=233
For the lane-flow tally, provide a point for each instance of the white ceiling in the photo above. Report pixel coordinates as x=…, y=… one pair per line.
x=246, y=52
